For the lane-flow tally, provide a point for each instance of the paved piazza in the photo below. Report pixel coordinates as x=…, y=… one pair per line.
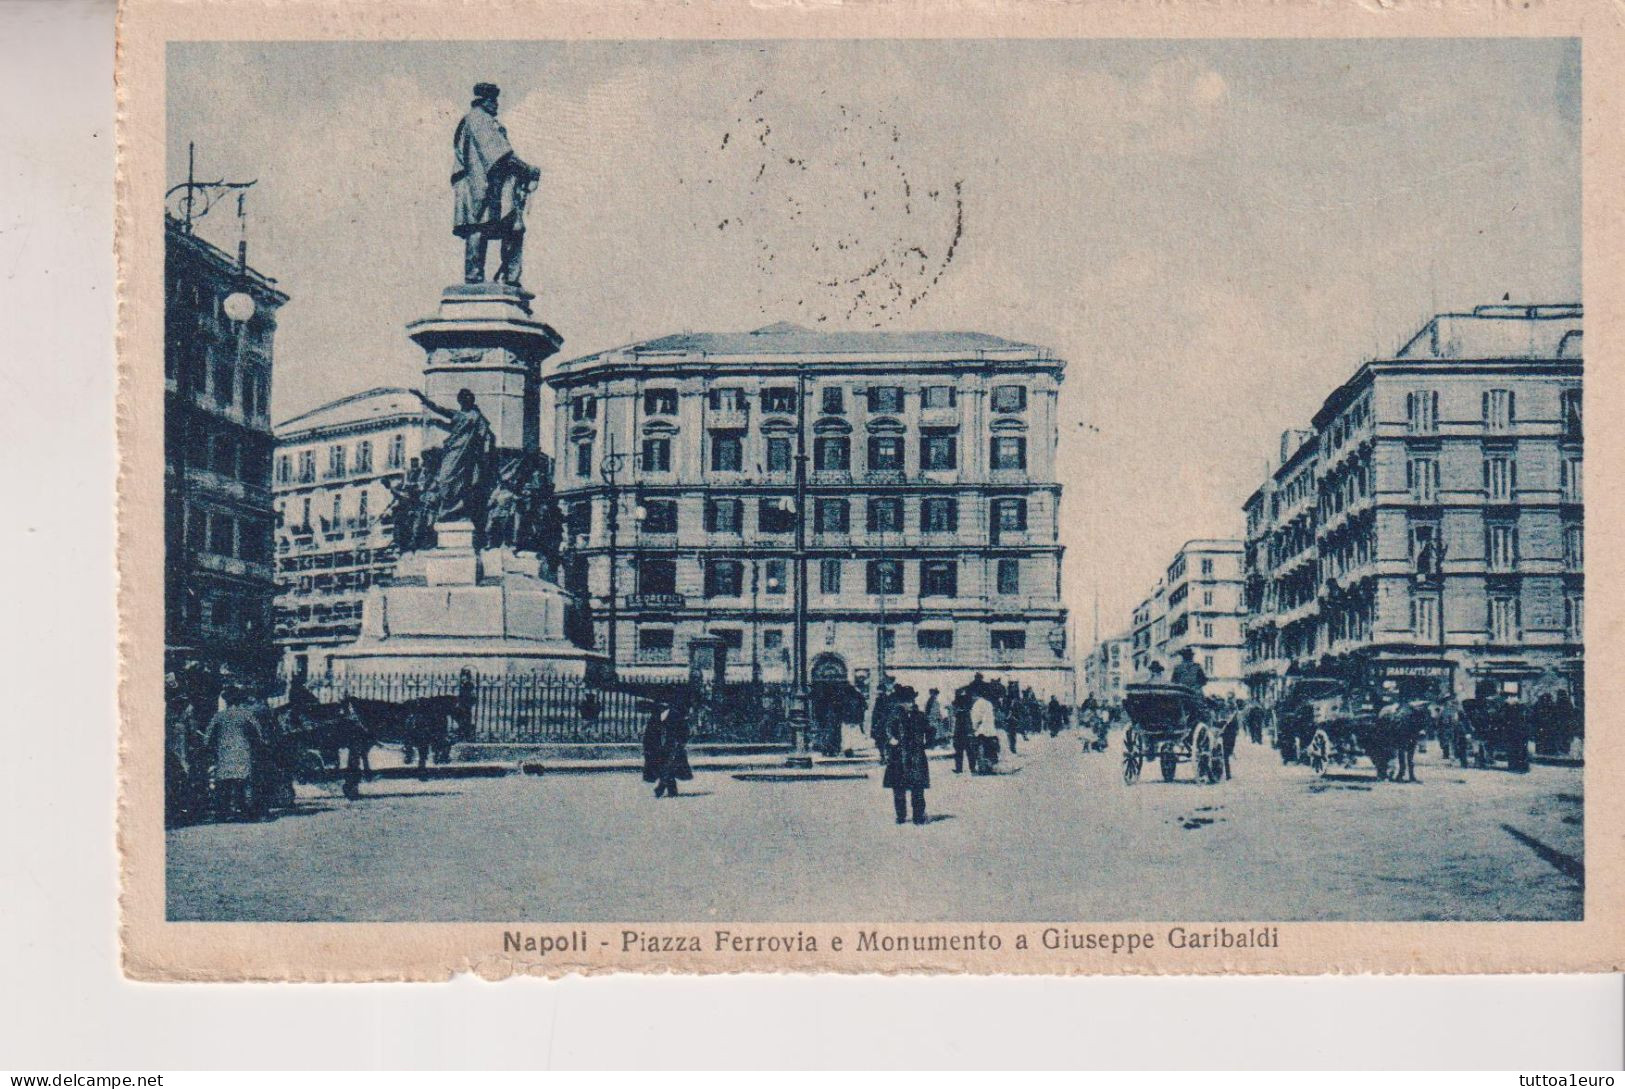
x=1057, y=837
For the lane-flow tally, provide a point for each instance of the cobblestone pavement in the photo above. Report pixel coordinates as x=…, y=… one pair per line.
x=1056, y=837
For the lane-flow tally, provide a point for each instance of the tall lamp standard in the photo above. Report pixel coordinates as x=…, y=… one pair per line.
x=800, y=756
x=609, y=469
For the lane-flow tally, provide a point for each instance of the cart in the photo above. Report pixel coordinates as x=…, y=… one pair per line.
x=1171, y=724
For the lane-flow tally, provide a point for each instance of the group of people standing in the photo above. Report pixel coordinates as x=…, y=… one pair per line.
x=222, y=753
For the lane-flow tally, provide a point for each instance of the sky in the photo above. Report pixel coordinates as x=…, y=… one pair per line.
x=1213, y=235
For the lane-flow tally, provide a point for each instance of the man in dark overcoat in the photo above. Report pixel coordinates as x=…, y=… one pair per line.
x=908, y=768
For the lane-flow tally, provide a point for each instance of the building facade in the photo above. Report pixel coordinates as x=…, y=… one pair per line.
x=931, y=520
x=1446, y=529
x=218, y=582
x=1198, y=603
x=1107, y=667
x=334, y=538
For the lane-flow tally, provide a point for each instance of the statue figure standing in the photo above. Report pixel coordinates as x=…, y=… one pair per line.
x=490, y=185
x=404, y=507
x=467, y=471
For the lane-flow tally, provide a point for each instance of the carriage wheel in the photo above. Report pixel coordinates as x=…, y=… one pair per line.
x=1320, y=752
x=1170, y=764
x=1202, y=755
x=1132, y=758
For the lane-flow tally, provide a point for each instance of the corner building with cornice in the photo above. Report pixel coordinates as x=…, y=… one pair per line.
x=930, y=520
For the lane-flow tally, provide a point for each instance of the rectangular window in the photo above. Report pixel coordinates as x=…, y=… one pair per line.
x=335, y=461
x=773, y=578
x=1422, y=479
x=1009, y=576
x=397, y=452
x=885, y=577
x=338, y=510
x=726, y=399
x=284, y=470
x=361, y=509
x=1009, y=398
x=1010, y=514
x=1501, y=546
x=363, y=458
x=1500, y=409
x=779, y=399
x=1574, y=541
x=833, y=516
x=937, y=397
x=1574, y=617
x=939, y=450
x=1572, y=423
x=727, y=451
x=657, y=575
x=1009, y=639
x=1422, y=411
x=885, y=399
x=1207, y=568
x=584, y=459
x=1500, y=478
x=1008, y=452
x=1425, y=618
x=773, y=639
x=723, y=515
x=832, y=452
x=885, y=453
x=1207, y=629
x=584, y=407
x=225, y=375
x=935, y=638
x=834, y=402
x=655, y=641
x=885, y=515
x=732, y=638
x=660, y=516
x=660, y=402
x=578, y=519
x=307, y=466
x=222, y=534
x=829, y=576
x=1573, y=483
x=939, y=514
x=775, y=515
x=778, y=454
x=887, y=638
x=724, y=578
x=1503, y=618
x=939, y=578
x=656, y=455
x=1207, y=599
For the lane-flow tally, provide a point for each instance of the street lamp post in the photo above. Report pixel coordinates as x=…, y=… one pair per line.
x=609, y=469
x=799, y=713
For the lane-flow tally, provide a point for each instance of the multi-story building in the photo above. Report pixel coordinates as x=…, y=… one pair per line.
x=1282, y=565
x=931, y=520
x=1197, y=604
x=334, y=537
x=1107, y=667
x=1448, y=514
x=219, y=324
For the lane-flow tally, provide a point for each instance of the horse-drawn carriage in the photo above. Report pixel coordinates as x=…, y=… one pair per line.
x=312, y=733
x=1327, y=723
x=1171, y=724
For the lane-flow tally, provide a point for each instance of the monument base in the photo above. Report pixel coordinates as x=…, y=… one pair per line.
x=451, y=609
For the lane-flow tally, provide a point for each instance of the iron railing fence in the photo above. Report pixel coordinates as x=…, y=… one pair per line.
x=540, y=708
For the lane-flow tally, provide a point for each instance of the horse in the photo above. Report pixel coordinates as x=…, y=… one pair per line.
x=426, y=725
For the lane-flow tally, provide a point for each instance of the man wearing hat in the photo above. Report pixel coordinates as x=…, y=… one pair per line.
x=1187, y=672
x=489, y=187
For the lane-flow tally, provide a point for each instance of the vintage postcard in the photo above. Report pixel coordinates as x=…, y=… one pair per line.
x=997, y=488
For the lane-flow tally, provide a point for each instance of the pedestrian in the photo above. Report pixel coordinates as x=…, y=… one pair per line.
x=177, y=713
x=665, y=748
x=985, y=735
x=1232, y=728
x=232, y=741
x=1008, y=715
x=939, y=723
x=265, y=788
x=964, y=736
x=1057, y=716
x=908, y=769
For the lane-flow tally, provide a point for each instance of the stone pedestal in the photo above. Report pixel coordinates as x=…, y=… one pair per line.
x=503, y=617
x=485, y=339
